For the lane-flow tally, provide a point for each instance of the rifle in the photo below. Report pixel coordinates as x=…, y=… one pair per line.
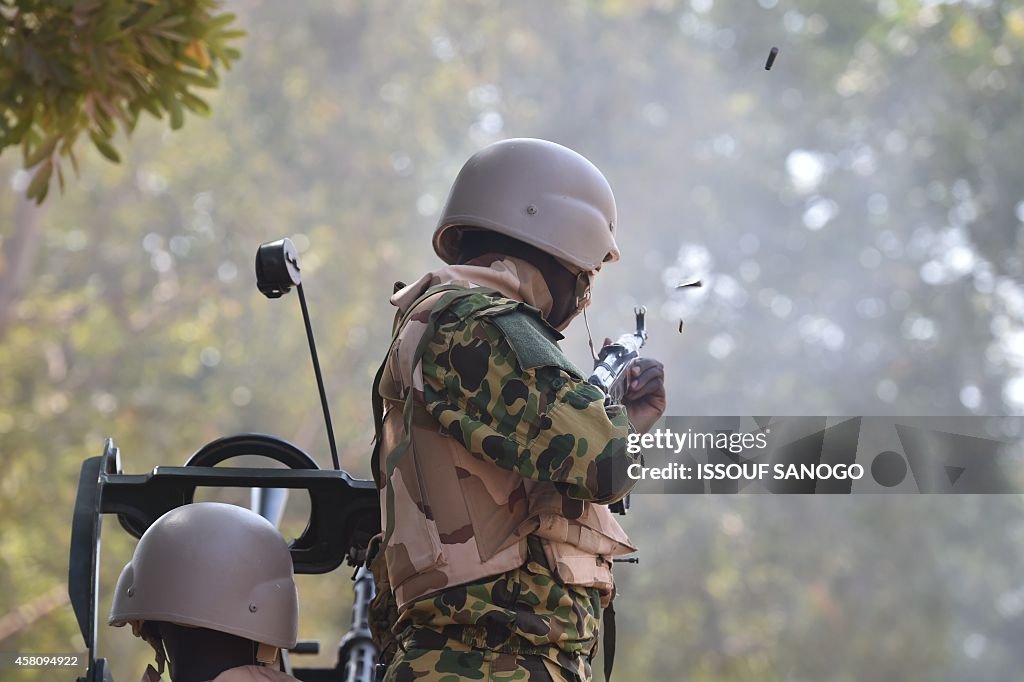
x=615, y=359
x=611, y=373
x=357, y=648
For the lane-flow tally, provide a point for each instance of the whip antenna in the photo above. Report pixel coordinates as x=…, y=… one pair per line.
x=277, y=271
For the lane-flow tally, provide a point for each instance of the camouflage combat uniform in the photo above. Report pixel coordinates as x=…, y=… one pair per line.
x=524, y=427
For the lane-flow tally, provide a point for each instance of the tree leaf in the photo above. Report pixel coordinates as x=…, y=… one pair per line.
x=206, y=79
x=107, y=28
x=73, y=159
x=40, y=183
x=196, y=104
x=231, y=35
x=157, y=51
x=173, y=36
x=220, y=21
x=104, y=147
x=22, y=126
x=150, y=104
x=42, y=151
x=197, y=52
x=104, y=122
x=171, y=22
x=177, y=114
x=150, y=17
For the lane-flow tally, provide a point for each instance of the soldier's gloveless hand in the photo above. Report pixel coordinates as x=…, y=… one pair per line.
x=645, y=394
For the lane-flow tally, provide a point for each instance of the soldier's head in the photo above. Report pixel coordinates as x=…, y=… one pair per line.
x=211, y=587
x=539, y=201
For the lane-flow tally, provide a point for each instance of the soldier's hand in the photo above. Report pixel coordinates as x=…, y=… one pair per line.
x=645, y=393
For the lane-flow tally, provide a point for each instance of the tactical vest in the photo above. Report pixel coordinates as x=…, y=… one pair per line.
x=450, y=517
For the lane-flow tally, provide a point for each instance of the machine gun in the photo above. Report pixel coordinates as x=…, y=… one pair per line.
x=344, y=512
x=611, y=373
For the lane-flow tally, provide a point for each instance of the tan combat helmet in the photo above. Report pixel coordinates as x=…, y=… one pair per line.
x=538, y=192
x=215, y=566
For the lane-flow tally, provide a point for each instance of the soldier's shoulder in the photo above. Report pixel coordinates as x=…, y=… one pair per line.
x=510, y=327
x=456, y=312
x=533, y=341
x=481, y=304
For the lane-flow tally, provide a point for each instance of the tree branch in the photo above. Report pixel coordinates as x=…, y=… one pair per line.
x=23, y=616
x=18, y=257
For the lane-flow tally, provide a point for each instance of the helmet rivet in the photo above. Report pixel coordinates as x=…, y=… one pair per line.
x=252, y=608
x=531, y=209
x=131, y=591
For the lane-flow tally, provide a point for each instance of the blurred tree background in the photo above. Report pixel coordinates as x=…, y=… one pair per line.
x=856, y=213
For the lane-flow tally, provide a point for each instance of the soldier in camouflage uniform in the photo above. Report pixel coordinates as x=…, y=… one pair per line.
x=495, y=459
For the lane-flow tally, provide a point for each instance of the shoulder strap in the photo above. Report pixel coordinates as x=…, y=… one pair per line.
x=609, y=641
x=376, y=401
x=533, y=341
x=452, y=294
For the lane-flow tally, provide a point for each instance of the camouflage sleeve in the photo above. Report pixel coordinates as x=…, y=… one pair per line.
x=543, y=423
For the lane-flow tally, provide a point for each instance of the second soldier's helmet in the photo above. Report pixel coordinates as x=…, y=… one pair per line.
x=215, y=566
x=538, y=192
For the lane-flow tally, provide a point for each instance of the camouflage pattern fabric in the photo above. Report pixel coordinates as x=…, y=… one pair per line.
x=545, y=423
x=383, y=611
x=455, y=663
x=526, y=612
x=525, y=411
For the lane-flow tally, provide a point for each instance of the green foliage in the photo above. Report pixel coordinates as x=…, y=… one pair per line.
x=70, y=68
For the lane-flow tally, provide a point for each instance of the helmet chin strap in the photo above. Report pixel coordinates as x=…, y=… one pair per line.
x=590, y=336
x=140, y=630
x=583, y=285
x=266, y=654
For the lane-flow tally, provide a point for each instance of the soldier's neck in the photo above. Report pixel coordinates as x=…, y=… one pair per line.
x=541, y=278
x=200, y=655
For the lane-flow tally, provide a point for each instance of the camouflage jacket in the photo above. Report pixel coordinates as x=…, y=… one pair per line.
x=506, y=441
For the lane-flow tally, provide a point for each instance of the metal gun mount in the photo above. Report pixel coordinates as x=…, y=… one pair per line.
x=344, y=515
x=344, y=512
x=615, y=359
